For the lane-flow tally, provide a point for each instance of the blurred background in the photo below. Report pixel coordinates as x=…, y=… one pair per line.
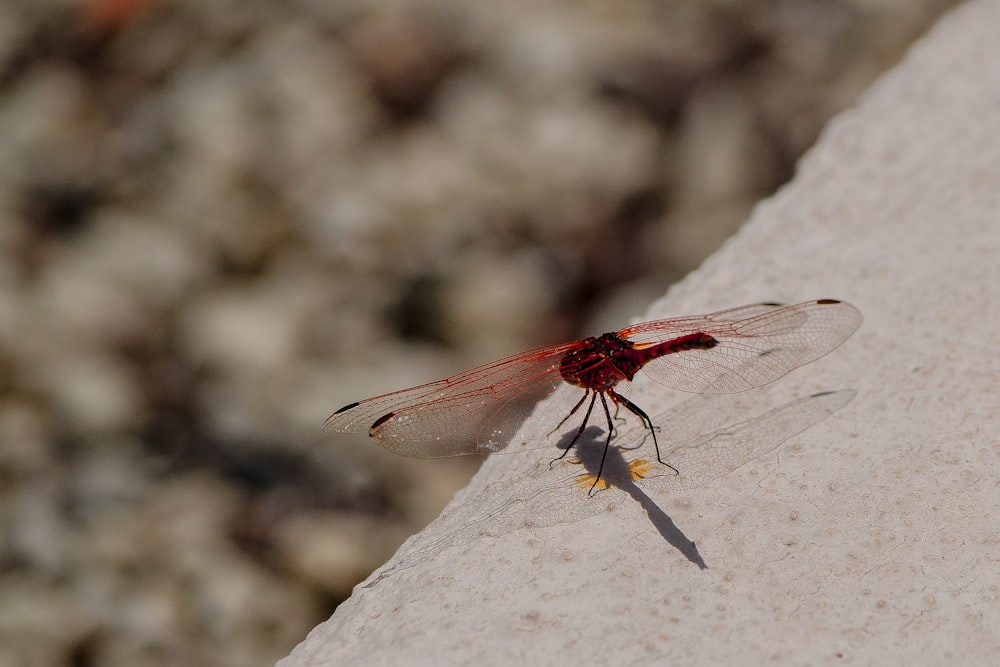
x=220, y=221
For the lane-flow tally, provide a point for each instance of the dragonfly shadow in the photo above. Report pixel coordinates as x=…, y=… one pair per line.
x=618, y=474
x=709, y=437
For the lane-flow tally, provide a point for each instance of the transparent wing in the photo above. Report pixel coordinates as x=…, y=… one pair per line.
x=476, y=411
x=756, y=344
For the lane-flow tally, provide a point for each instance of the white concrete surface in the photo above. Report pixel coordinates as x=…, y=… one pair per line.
x=871, y=538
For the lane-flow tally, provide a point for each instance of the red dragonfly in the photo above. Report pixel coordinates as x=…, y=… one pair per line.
x=479, y=410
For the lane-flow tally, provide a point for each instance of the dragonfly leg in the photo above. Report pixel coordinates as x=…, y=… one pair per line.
x=579, y=431
x=573, y=412
x=607, y=444
x=646, y=421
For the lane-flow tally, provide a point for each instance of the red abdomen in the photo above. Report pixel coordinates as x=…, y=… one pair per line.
x=601, y=363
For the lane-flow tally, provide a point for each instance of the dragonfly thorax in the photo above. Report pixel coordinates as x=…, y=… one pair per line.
x=600, y=363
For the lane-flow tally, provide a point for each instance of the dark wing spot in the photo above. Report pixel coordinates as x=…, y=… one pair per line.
x=381, y=420
x=827, y=302
x=347, y=407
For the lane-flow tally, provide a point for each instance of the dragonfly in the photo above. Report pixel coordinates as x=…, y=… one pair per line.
x=481, y=409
